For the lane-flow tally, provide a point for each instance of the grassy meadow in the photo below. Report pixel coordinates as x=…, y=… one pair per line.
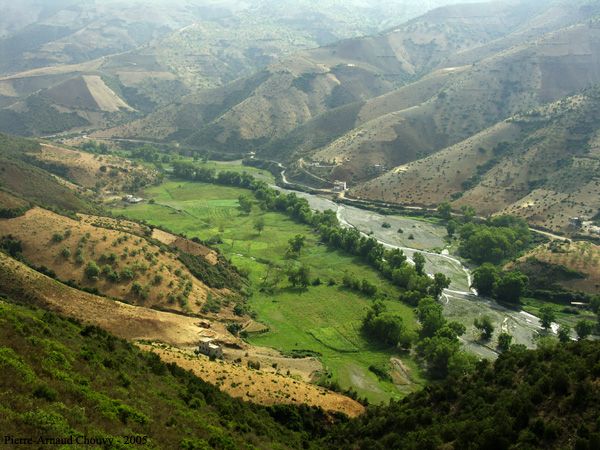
x=324, y=319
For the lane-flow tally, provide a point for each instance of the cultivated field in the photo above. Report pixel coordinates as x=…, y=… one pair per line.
x=323, y=320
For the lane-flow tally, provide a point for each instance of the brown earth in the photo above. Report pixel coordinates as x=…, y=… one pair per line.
x=163, y=278
x=258, y=386
x=174, y=332
x=110, y=173
x=186, y=245
x=9, y=201
x=582, y=257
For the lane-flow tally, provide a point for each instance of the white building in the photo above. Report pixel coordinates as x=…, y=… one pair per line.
x=208, y=347
x=339, y=186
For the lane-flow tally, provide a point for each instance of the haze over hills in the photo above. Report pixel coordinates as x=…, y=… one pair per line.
x=366, y=105
x=148, y=54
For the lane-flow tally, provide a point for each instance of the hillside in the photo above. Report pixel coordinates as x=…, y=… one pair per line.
x=568, y=265
x=68, y=248
x=174, y=337
x=26, y=181
x=546, y=398
x=541, y=165
x=517, y=80
x=70, y=380
x=93, y=63
x=297, y=89
x=65, y=179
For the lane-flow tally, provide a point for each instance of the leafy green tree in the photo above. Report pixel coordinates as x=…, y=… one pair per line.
x=440, y=282
x=504, y=341
x=468, y=213
x=419, y=261
x=429, y=313
x=485, y=278
x=564, y=334
x=438, y=351
x=92, y=270
x=511, y=286
x=387, y=328
x=259, y=224
x=485, y=326
x=451, y=227
x=299, y=276
x=547, y=316
x=295, y=245
x=245, y=204
x=584, y=328
x=444, y=210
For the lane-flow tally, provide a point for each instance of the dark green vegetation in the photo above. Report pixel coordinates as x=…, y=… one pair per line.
x=499, y=239
x=20, y=177
x=60, y=378
x=546, y=398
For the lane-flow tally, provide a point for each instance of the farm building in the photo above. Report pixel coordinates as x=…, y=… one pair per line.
x=208, y=347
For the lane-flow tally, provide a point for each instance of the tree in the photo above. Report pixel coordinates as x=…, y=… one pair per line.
x=485, y=278
x=419, y=261
x=504, y=341
x=295, y=244
x=259, y=224
x=429, y=313
x=299, y=276
x=485, y=326
x=444, y=210
x=564, y=334
x=511, y=286
x=451, y=227
x=584, y=328
x=468, y=213
x=440, y=282
x=245, y=204
x=547, y=316
x=92, y=270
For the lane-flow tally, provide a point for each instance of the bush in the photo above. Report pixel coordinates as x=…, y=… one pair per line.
x=92, y=270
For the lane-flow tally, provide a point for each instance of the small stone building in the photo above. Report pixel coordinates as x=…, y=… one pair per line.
x=210, y=348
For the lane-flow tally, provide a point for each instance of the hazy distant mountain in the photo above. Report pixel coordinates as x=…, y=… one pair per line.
x=151, y=53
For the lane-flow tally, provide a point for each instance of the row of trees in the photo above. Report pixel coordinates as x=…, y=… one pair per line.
x=391, y=263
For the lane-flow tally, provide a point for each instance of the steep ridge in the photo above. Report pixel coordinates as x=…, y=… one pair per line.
x=300, y=88
x=542, y=165
x=522, y=78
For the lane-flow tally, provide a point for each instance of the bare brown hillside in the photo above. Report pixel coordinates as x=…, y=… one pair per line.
x=543, y=166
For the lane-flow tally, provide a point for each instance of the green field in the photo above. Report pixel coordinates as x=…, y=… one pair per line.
x=323, y=319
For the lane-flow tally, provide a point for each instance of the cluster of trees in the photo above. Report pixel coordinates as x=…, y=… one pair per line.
x=391, y=263
x=364, y=286
x=491, y=281
x=546, y=398
x=439, y=345
x=498, y=239
x=386, y=328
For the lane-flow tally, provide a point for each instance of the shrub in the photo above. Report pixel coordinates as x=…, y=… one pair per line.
x=92, y=270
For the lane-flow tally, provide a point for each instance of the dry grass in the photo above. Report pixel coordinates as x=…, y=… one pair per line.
x=583, y=257
x=37, y=228
x=110, y=173
x=266, y=387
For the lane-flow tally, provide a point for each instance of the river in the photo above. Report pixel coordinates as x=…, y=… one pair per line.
x=460, y=302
